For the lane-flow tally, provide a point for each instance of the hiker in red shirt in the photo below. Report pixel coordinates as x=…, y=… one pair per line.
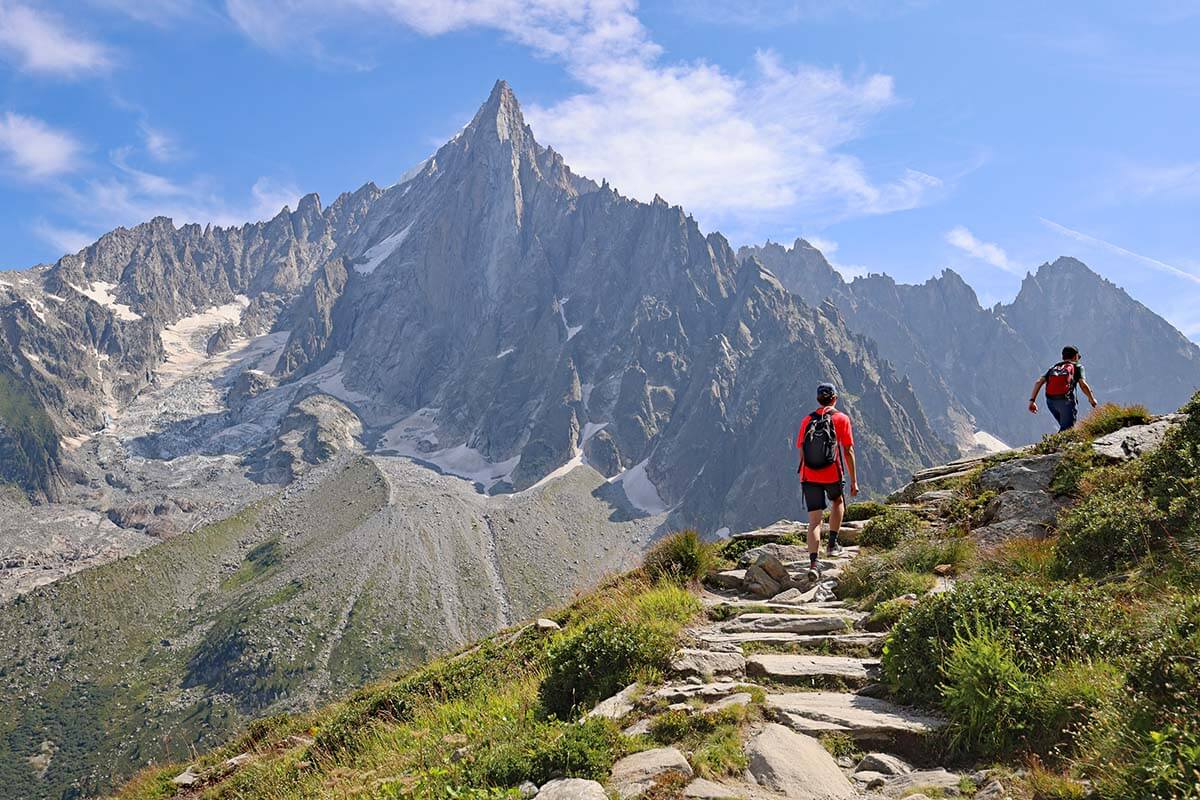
x=826, y=444
x=1060, y=382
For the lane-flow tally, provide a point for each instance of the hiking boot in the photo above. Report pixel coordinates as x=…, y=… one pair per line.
x=814, y=573
x=835, y=550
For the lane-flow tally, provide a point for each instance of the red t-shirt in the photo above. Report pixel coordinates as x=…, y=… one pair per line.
x=845, y=437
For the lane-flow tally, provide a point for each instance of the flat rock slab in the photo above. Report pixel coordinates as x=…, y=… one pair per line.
x=635, y=774
x=1032, y=474
x=855, y=639
x=789, y=623
x=795, y=766
x=786, y=666
x=708, y=663
x=728, y=579
x=675, y=693
x=701, y=789
x=884, y=764
x=1136, y=440
x=572, y=789
x=865, y=719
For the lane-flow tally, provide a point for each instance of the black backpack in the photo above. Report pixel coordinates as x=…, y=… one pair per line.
x=820, y=441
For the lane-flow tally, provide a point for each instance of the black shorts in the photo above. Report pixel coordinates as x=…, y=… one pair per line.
x=815, y=494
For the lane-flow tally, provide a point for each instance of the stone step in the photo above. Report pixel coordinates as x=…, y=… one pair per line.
x=712, y=600
x=869, y=721
x=800, y=640
x=840, y=621
x=813, y=670
x=682, y=692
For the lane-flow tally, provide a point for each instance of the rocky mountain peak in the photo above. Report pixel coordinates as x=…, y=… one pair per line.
x=500, y=116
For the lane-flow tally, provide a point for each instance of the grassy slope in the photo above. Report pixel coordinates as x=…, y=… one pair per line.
x=472, y=725
x=121, y=663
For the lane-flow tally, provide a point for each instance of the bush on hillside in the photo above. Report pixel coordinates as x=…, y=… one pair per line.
x=1150, y=747
x=856, y=512
x=598, y=659
x=1108, y=531
x=1172, y=478
x=1025, y=558
x=539, y=753
x=997, y=708
x=1046, y=625
x=1109, y=417
x=682, y=557
x=889, y=528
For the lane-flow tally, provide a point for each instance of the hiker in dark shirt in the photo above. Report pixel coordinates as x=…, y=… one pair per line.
x=1060, y=382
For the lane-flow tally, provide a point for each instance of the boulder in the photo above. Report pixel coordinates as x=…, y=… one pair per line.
x=727, y=579
x=572, y=789
x=1137, y=440
x=772, y=565
x=186, y=778
x=1032, y=474
x=635, y=774
x=870, y=780
x=760, y=584
x=883, y=763
x=617, y=706
x=528, y=790
x=795, y=766
x=992, y=790
x=733, y=701
x=780, y=552
x=548, y=625
x=901, y=785
x=999, y=532
x=1039, y=507
x=708, y=663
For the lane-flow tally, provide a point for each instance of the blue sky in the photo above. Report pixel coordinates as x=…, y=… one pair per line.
x=902, y=137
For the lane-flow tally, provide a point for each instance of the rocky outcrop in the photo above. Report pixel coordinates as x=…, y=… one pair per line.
x=1137, y=440
x=315, y=430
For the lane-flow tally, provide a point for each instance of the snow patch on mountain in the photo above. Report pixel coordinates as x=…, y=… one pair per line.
x=990, y=443
x=415, y=436
x=640, y=490
x=102, y=293
x=377, y=253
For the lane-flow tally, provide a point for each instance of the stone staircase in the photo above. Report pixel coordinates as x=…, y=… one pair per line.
x=816, y=672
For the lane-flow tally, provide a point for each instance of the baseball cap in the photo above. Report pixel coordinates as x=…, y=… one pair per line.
x=826, y=390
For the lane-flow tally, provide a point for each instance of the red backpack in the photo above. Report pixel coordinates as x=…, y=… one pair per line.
x=1060, y=380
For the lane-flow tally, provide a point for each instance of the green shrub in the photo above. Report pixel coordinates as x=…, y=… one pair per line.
x=682, y=556
x=1077, y=461
x=721, y=755
x=734, y=549
x=997, y=708
x=1172, y=480
x=902, y=582
x=968, y=510
x=1056, y=442
x=988, y=697
x=1021, y=557
x=1151, y=745
x=870, y=575
x=856, y=512
x=1109, y=417
x=1046, y=625
x=840, y=745
x=598, y=659
x=691, y=727
x=889, y=528
x=540, y=752
x=1107, y=531
x=887, y=613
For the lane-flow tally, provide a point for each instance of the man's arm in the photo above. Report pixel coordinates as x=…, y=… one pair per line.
x=852, y=470
x=1087, y=390
x=1037, y=387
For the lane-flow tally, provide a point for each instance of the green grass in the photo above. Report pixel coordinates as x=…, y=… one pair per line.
x=480, y=722
x=682, y=557
x=889, y=528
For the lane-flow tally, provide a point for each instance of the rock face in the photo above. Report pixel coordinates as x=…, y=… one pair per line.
x=1137, y=440
x=494, y=315
x=970, y=365
x=634, y=774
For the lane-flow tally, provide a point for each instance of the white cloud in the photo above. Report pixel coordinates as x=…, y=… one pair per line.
x=159, y=144
x=731, y=149
x=1147, y=180
x=65, y=240
x=1153, y=263
x=39, y=42
x=987, y=252
x=34, y=149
